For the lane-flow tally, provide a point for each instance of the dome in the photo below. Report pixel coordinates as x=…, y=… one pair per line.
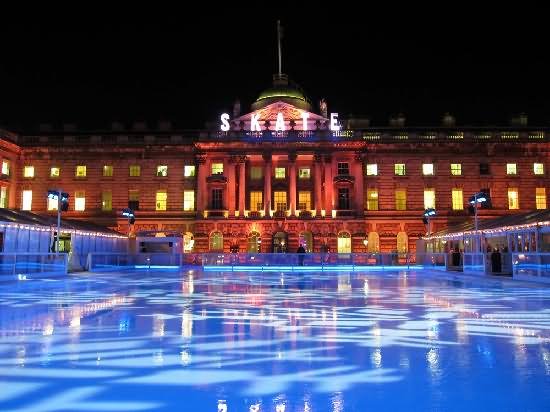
x=282, y=91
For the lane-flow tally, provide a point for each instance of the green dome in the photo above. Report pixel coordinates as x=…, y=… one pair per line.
x=281, y=92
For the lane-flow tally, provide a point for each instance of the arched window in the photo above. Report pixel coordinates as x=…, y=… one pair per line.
x=344, y=242
x=254, y=242
x=374, y=242
x=280, y=243
x=402, y=242
x=188, y=242
x=216, y=241
x=306, y=240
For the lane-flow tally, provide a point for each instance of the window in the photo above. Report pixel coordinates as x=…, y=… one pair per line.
x=280, y=201
x=280, y=173
x=162, y=171
x=304, y=173
x=80, y=171
x=216, y=241
x=54, y=172
x=343, y=198
x=304, y=200
x=27, y=200
x=372, y=199
x=401, y=199
x=428, y=169
x=458, y=199
x=133, y=199
x=28, y=171
x=456, y=169
x=107, y=201
x=429, y=198
x=399, y=169
x=4, y=197
x=344, y=242
x=52, y=204
x=107, y=171
x=161, y=200
x=511, y=169
x=484, y=169
x=217, y=201
x=538, y=168
x=513, y=198
x=256, y=172
x=189, y=171
x=217, y=168
x=372, y=169
x=135, y=170
x=402, y=242
x=5, y=167
x=256, y=201
x=188, y=200
x=540, y=197
x=80, y=201
x=343, y=168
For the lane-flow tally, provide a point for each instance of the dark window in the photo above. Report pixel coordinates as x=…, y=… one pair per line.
x=484, y=169
x=343, y=199
x=343, y=168
x=217, y=199
x=133, y=204
x=487, y=204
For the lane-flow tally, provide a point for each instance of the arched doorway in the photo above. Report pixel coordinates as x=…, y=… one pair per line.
x=280, y=243
x=216, y=241
x=402, y=242
x=254, y=242
x=344, y=242
x=188, y=242
x=306, y=240
x=374, y=242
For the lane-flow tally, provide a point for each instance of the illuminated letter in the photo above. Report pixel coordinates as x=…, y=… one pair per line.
x=280, y=123
x=305, y=116
x=254, y=123
x=334, y=122
x=225, y=124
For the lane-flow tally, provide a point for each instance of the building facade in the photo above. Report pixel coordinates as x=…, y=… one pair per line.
x=280, y=175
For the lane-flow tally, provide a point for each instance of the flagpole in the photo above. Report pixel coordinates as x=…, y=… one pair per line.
x=279, y=43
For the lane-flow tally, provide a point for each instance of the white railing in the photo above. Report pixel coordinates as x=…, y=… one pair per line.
x=531, y=266
x=26, y=265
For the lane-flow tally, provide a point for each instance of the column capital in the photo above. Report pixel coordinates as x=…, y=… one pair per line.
x=241, y=158
x=360, y=156
x=328, y=158
x=200, y=158
x=266, y=157
x=292, y=157
x=318, y=157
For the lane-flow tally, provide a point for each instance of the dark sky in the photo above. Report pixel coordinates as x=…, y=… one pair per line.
x=482, y=70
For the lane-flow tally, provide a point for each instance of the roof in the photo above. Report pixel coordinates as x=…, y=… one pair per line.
x=29, y=218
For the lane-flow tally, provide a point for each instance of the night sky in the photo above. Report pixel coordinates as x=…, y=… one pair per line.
x=483, y=71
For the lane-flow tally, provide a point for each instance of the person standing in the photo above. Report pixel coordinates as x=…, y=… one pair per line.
x=301, y=252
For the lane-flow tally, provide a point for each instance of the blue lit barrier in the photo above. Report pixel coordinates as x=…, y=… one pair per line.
x=531, y=266
x=124, y=261
x=29, y=265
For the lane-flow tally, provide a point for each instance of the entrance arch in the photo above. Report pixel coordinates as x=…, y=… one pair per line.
x=306, y=240
x=216, y=241
x=188, y=242
x=344, y=242
x=254, y=242
x=402, y=242
x=374, y=242
x=280, y=242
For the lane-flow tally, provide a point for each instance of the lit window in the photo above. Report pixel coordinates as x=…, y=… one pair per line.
x=513, y=198
x=429, y=198
x=399, y=169
x=256, y=201
x=28, y=171
x=52, y=204
x=80, y=171
x=541, y=197
x=458, y=199
x=428, y=169
x=135, y=170
x=162, y=171
x=304, y=173
x=456, y=169
x=280, y=172
x=538, y=168
x=304, y=200
x=5, y=167
x=27, y=200
x=372, y=199
x=372, y=169
x=80, y=201
x=256, y=172
x=217, y=168
x=280, y=201
x=55, y=171
x=188, y=200
x=189, y=171
x=343, y=168
x=400, y=199
x=161, y=199
x=107, y=171
x=216, y=241
x=511, y=169
x=107, y=201
x=4, y=197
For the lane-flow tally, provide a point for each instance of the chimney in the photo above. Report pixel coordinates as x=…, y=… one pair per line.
x=448, y=120
x=117, y=126
x=69, y=127
x=139, y=126
x=398, y=121
x=165, y=125
x=519, y=120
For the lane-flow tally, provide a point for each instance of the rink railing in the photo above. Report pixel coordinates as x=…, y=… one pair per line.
x=24, y=266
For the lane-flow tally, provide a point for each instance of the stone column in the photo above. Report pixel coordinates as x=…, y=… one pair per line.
x=359, y=174
x=242, y=184
x=329, y=186
x=292, y=183
x=318, y=184
x=200, y=184
x=231, y=185
x=267, y=183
